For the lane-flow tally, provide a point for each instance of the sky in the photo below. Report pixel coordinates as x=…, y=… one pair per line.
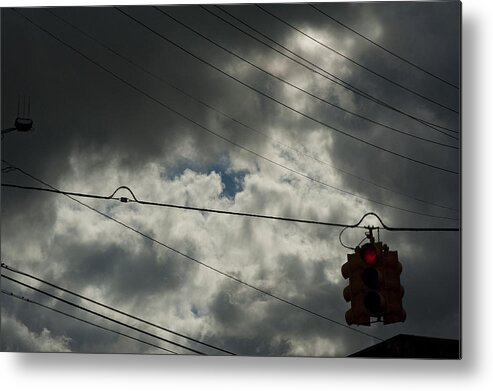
x=102, y=121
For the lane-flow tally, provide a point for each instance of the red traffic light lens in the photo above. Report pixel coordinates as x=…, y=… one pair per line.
x=368, y=254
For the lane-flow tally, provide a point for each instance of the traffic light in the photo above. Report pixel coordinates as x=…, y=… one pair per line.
x=23, y=124
x=374, y=288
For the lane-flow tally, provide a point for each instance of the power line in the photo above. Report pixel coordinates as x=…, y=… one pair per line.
x=383, y=48
x=11, y=167
x=84, y=321
x=184, y=207
x=323, y=72
x=226, y=139
x=230, y=141
x=100, y=315
x=409, y=229
x=240, y=281
x=401, y=229
x=125, y=200
x=278, y=101
x=210, y=107
x=189, y=257
x=239, y=81
x=5, y=266
x=208, y=210
x=302, y=89
x=357, y=63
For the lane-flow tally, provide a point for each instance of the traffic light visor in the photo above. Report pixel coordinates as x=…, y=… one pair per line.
x=368, y=254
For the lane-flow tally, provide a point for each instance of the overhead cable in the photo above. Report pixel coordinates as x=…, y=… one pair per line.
x=101, y=315
x=189, y=257
x=167, y=205
x=230, y=141
x=84, y=321
x=224, y=138
x=323, y=72
x=287, y=82
x=53, y=189
x=14, y=270
x=263, y=134
x=357, y=63
x=392, y=53
x=239, y=81
x=324, y=124
x=409, y=229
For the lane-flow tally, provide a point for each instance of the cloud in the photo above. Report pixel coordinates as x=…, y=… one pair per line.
x=95, y=134
x=17, y=337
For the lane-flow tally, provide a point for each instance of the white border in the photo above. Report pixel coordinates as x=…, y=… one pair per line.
x=126, y=372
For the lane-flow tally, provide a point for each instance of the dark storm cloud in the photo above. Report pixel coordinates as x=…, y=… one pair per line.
x=94, y=133
x=144, y=273
x=116, y=120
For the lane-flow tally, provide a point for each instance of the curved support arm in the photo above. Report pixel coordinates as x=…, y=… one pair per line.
x=124, y=199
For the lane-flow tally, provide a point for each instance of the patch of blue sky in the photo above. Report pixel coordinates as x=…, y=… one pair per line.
x=195, y=311
x=232, y=181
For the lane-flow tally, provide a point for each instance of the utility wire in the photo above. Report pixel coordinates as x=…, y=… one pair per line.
x=14, y=270
x=302, y=89
x=323, y=72
x=231, y=277
x=84, y=321
x=414, y=229
x=167, y=205
x=100, y=315
x=125, y=199
x=383, y=48
x=239, y=81
x=279, y=102
x=53, y=189
x=210, y=107
x=201, y=263
x=357, y=63
x=224, y=138
x=340, y=239
x=5, y=266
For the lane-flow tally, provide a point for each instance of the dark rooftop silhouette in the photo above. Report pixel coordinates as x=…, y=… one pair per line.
x=413, y=346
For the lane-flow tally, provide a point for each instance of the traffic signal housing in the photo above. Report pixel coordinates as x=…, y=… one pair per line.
x=374, y=288
x=23, y=124
x=394, y=292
